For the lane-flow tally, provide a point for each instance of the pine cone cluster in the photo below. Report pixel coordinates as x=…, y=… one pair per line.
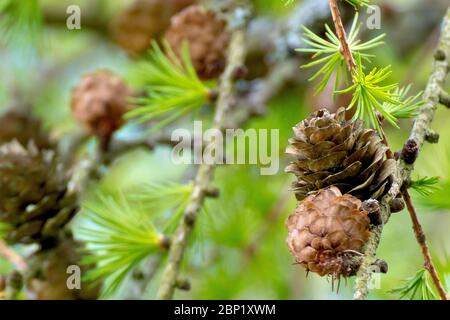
x=338, y=163
x=326, y=231
x=21, y=125
x=144, y=21
x=330, y=150
x=99, y=102
x=33, y=193
x=208, y=39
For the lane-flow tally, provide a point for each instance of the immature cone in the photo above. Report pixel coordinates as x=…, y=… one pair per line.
x=33, y=194
x=327, y=231
x=206, y=35
x=332, y=151
x=99, y=102
x=144, y=21
x=21, y=125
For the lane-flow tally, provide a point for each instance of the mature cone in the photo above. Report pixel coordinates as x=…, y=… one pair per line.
x=33, y=194
x=99, y=102
x=207, y=37
x=326, y=232
x=48, y=277
x=332, y=151
x=143, y=21
x=21, y=125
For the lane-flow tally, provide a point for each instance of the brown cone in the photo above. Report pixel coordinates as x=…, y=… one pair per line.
x=326, y=231
x=33, y=194
x=207, y=37
x=49, y=276
x=21, y=125
x=99, y=102
x=144, y=21
x=329, y=151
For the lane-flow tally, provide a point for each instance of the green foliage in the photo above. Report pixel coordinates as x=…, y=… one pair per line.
x=164, y=202
x=425, y=186
x=359, y=3
x=369, y=95
x=328, y=55
x=408, y=106
x=172, y=87
x=20, y=21
x=117, y=239
x=438, y=200
x=435, y=161
x=354, y=3
x=120, y=233
x=418, y=287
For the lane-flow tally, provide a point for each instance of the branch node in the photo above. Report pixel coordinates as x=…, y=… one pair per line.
x=439, y=55
x=189, y=218
x=164, y=242
x=372, y=207
x=380, y=266
x=213, y=95
x=239, y=73
x=184, y=285
x=397, y=205
x=444, y=98
x=410, y=151
x=212, y=192
x=431, y=136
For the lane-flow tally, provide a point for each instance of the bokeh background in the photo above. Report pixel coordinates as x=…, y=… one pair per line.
x=239, y=251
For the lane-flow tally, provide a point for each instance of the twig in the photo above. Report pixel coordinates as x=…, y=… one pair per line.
x=421, y=239
x=236, y=56
x=340, y=31
x=418, y=133
x=13, y=257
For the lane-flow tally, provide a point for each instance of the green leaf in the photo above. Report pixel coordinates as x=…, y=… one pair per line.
x=327, y=53
x=408, y=106
x=172, y=87
x=370, y=96
x=164, y=202
x=358, y=3
x=418, y=286
x=20, y=22
x=117, y=239
x=425, y=186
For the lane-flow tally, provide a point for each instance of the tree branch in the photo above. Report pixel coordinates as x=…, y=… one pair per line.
x=13, y=257
x=404, y=170
x=236, y=56
x=421, y=239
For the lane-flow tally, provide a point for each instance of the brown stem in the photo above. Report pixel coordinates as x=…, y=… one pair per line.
x=419, y=131
x=340, y=31
x=421, y=239
x=418, y=231
x=13, y=257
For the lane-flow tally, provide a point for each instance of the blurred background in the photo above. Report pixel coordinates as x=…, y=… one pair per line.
x=239, y=250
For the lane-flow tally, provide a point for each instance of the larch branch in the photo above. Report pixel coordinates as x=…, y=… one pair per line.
x=404, y=170
x=236, y=56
